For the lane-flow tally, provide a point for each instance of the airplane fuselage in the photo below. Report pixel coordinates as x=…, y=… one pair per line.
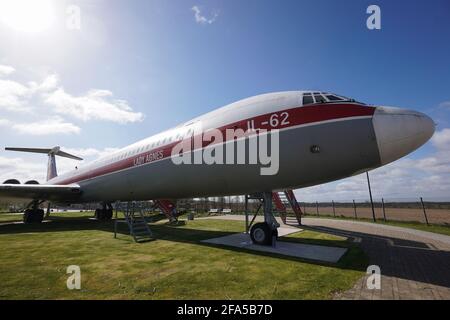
x=318, y=142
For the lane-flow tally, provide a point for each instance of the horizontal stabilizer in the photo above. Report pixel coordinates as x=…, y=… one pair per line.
x=53, y=151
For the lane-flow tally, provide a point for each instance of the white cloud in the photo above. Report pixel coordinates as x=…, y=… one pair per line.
x=6, y=70
x=13, y=96
x=18, y=97
x=49, y=83
x=53, y=125
x=4, y=122
x=445, y=104
x=441, y=139
x=95, y=105
x=18, y=168
x=199, y=18
x=33, y=167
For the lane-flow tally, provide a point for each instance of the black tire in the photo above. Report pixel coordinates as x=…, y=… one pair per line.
x=33, y=216
x=108, y=214
x=27, y=216
x=99, y=214
x=38, y=216
x=261, y=234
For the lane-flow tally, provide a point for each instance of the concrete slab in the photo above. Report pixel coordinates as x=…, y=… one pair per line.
x=284, y=231
x=298, y=250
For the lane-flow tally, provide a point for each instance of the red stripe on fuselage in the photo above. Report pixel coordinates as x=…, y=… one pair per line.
x=296, y=116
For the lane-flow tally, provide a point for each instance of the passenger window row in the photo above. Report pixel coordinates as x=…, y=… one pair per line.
x=175, y=136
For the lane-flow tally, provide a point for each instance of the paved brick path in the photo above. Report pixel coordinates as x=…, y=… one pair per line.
x=414, y=264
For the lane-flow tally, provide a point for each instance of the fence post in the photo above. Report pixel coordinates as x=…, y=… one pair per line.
x=304, y=207
x=424, y=211
x=317, y=208
x=354, y=209
x=334, y=210
x=246, y=213
x=371, y=200
x=384, y=211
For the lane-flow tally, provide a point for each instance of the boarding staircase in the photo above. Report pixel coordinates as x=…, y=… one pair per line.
x=168, y=208
x=282, y=200
x=138, y=225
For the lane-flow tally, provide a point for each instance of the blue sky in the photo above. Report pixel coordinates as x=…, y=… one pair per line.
x=156, y=64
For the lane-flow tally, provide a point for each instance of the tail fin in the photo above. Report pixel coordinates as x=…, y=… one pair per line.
x=51, y=166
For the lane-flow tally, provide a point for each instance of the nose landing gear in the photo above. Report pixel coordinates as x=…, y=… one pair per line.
x=263, y=233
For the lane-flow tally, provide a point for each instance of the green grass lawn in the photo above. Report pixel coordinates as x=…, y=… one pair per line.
x=436, y=228
x=18, y=217
x=176, y=265
x=10, y=217
x=442, y=229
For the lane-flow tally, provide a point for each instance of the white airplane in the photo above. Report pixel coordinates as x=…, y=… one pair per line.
x=322, y=137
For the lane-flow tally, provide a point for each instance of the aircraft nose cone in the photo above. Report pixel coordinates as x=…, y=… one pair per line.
x=400, y=132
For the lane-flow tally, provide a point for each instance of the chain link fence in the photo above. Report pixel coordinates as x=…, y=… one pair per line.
x=423, y=210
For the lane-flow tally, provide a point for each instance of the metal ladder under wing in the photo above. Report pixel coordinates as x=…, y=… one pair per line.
x=138, y=225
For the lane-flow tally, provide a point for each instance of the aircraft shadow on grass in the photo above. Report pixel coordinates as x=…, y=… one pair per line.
x=396, y=257
x=176, y=233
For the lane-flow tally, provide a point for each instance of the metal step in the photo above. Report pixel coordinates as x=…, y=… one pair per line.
x=140, y=223
x=139, y=229
x=168, y=208
x=141, y=236
x=292, y=202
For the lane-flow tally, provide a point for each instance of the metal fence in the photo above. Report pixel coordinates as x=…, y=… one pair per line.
x=413, y=210
x=423, y=210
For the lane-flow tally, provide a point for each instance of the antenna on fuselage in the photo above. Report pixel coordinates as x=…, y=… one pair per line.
x=51, y=165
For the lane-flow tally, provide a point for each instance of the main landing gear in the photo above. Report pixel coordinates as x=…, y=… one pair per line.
x=34, y=215
x=105, y=213
x=265, y=233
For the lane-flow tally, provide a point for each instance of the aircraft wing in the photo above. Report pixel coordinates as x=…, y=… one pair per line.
x=39, y=192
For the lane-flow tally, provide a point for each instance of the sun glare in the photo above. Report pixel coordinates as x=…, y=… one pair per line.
x=27, y=15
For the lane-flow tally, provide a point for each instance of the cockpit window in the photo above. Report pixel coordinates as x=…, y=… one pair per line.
x=319, y=98
x=324, y=97
x=307, y=99
x=332, y=97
